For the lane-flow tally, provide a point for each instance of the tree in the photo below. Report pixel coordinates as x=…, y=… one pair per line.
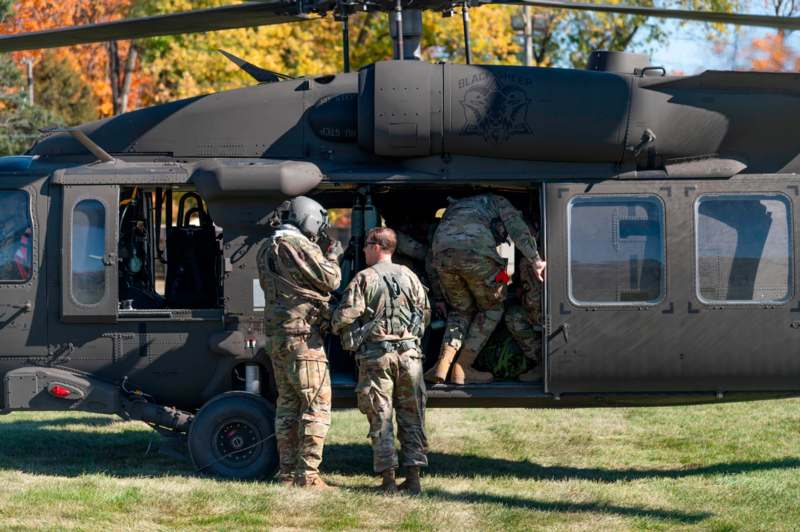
x=772, y=53
x=108, y=68
x=60, y=89
x=186, y=65
x=19, y=122
x=567, y=38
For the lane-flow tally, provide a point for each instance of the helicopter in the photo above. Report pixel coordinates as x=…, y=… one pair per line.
x=128, y=274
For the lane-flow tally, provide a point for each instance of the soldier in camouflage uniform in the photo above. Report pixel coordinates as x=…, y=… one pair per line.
x=297, y=280
x=473, y=277
x=523, y=315
x=382, y=316
x=419, y=258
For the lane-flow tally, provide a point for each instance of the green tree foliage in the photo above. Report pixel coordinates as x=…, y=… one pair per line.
x=60, y=89
x=566, y=38
x=19, y=122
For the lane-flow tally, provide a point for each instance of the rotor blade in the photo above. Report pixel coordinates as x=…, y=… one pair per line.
x=218, y=18
x=767, y=21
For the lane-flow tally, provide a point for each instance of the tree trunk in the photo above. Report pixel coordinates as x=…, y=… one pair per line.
x=130, y=65
x=113, y=75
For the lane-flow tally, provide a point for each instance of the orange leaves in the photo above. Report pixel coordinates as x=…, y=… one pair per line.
x=772, y=54
x=91, y=60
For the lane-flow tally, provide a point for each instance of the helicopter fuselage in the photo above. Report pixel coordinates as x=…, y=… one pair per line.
x=666, y=207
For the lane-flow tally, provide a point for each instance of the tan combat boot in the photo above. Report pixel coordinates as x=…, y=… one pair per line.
x=389, y=484
x=411, y=484
x=285, y=478
x=311, y=482
x=438, y=373
x=463, y=373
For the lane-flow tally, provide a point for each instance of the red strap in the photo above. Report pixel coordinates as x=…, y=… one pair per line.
x=502, y=277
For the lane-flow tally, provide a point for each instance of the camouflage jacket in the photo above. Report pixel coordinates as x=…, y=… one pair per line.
x=410, y=251
x=297, y=280
x=480, y=223
x=387, y=302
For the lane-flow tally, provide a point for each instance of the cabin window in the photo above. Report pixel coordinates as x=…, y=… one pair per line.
x=88, y=252
x=16, y=237
x=744, y=248
x=616, y=250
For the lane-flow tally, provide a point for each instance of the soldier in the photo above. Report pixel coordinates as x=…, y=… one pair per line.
x=297, y=280
x=382, y=316
x=522, y=317
x=473, y=278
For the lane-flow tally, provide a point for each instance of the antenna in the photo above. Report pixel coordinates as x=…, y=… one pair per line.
x=342, y=13
x=465, y=19
x=398, y=28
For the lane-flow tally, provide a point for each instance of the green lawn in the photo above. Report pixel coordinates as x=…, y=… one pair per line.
x=720, y=467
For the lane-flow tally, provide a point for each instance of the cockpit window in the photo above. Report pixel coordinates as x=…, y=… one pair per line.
x=16, y=237
x=744, y=248
x=616, y=250
x=88, y=252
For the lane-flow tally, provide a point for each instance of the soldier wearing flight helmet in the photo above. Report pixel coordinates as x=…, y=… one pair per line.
x=297, y=278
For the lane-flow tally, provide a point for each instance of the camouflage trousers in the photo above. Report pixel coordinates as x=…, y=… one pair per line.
x=393, y=383
x=303, y=408
x=520, y=325
x=475, y=297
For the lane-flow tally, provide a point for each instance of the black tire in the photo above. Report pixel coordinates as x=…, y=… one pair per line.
x=233, y=436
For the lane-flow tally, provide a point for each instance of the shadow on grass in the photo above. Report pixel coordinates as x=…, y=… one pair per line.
x=569, y=507
x=347, y=459
x=46, y=447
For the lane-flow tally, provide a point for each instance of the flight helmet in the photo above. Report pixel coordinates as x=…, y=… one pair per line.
x=307, y=215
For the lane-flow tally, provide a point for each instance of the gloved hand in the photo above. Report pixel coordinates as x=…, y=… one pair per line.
x=335, y=250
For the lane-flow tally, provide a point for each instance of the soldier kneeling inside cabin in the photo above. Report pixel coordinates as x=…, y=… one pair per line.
x=382, y=316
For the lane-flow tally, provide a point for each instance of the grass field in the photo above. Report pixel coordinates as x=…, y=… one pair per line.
x=720, y=467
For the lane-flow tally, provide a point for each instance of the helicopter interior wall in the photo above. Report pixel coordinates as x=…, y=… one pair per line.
x=169, y=251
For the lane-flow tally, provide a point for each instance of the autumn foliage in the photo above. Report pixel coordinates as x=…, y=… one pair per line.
x=92, y=60
x=772, y=54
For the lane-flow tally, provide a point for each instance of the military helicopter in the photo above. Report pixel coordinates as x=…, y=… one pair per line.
x=666, y=204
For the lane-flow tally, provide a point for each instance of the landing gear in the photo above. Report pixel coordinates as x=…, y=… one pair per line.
x=233, y=436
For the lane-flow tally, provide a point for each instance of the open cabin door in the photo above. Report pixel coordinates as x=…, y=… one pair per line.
x=673, y=286
x=89, y=268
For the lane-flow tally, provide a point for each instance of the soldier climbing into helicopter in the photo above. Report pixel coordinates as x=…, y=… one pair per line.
x=474, y=278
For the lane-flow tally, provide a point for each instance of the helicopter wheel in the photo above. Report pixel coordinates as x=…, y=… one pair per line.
x=233, y=436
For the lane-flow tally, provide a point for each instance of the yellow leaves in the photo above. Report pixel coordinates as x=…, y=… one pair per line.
x=492, y=37
x=188, y=65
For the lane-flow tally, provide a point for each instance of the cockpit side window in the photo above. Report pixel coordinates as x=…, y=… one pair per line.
x=16, y=237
